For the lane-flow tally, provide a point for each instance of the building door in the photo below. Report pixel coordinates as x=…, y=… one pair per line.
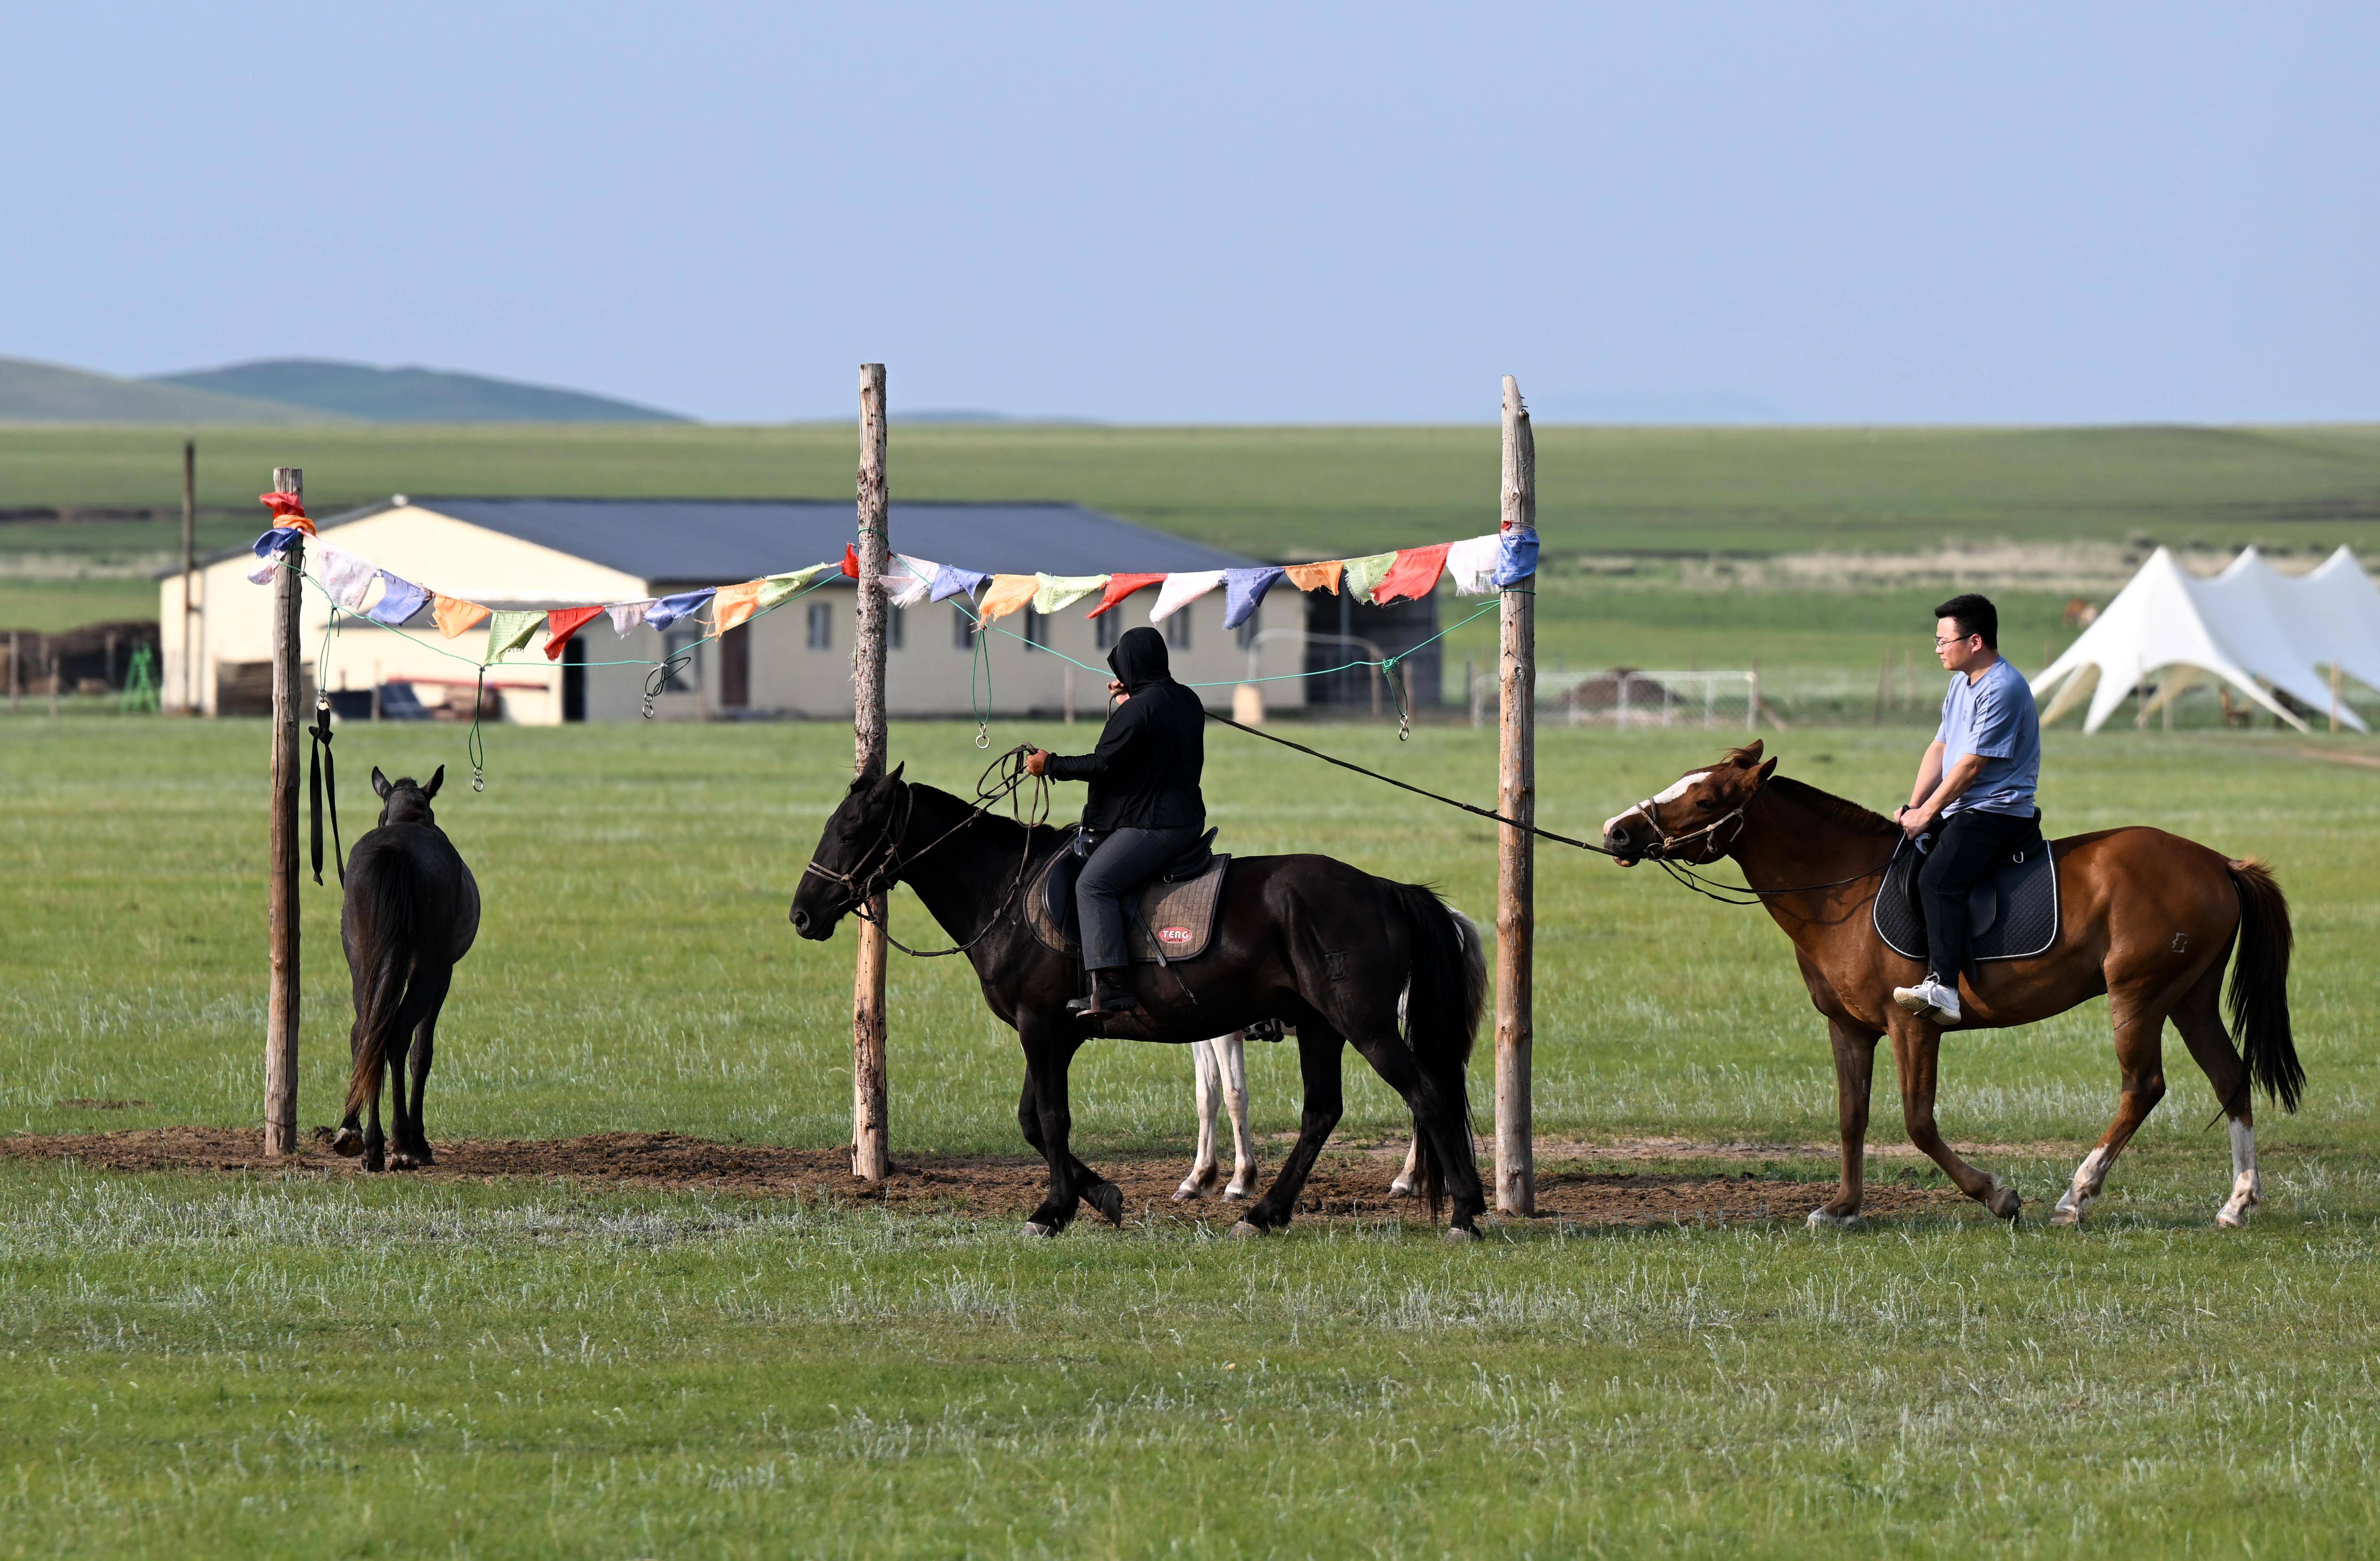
x=735, y=668
x=574, y=680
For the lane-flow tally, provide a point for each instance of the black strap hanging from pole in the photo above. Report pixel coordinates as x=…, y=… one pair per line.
x=320, y=766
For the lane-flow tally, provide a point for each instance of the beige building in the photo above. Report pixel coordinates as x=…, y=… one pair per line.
x=792, y=662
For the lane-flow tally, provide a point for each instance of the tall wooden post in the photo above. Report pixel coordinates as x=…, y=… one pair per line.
x=190, y=577
x=1516, y=798
x=280, y=886
x=871, y=1158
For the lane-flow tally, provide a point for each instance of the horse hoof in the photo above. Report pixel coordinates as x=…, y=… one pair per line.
x=1400, y=1188
x=349, y=1143
x=2065, y=1216
x=1186, y=1193
x=2004, y=1203
x=1036, y=1231
x=402, y=1160
x=1107, y=1199
x=1237, y=1194
x=1461, y=1233
x=1822, y=1220
x=1244, y=1231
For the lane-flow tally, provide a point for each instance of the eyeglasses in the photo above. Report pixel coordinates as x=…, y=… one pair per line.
x=1955, y=639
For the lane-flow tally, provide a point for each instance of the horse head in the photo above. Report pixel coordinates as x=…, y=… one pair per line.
x=1696, y=818
x=405, y=800
x=857, y=854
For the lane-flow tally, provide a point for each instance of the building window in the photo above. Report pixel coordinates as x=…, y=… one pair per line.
x=1036, y=631
x=1250, y=626
x=962, y=629
x=895, y=620
x=1177, y=629
x=678, y=652
x=1110, y=627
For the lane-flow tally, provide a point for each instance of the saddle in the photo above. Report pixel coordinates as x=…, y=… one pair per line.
x=1173, y=918
x=2011, y=911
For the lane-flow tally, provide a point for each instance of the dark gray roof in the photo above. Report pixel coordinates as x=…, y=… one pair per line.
x=706, y=541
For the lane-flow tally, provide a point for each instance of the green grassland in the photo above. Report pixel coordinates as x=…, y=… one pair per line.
x=269, y=1366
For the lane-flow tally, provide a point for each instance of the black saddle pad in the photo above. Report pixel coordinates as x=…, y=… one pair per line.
x=2012, y=912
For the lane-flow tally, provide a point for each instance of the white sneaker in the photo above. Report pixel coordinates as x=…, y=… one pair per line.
x=1929, y=1000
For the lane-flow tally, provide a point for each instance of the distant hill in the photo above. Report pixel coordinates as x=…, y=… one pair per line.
x=44, y=393
x=410, y=395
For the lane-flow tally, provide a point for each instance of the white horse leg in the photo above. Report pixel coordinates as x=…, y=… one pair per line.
x=1408, y=1182
x=1204, y=1072
x=2089, y=1178
x=1233, y=1051
x=2247, y=1188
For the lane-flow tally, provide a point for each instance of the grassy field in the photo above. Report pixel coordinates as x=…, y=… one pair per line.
x=262, y=1365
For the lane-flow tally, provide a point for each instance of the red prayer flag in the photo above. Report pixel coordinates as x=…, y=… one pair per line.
x=564, y=622
x=288, y=510
x=1121, y=586
x=850, y=562
x=1414, y=573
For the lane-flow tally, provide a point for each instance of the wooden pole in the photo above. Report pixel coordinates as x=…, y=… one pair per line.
x=16, y=679
x=190, y=577
x=1516, y=798
x=871, y=1158
x=2334, y=696
x=281, y=885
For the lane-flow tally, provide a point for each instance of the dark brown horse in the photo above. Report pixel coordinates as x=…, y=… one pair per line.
x=1344, y=956
x=412, y=909
x=2146, y=917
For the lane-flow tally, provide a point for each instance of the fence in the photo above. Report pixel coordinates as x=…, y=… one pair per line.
x=1632, y=697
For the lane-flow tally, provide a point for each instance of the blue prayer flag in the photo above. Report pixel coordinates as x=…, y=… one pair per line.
x=1517, y=559
x=1243, y=589
x=400, y=600
x=670, y=608
x=950, y=582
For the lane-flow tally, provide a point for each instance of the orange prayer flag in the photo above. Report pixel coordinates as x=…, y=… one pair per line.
x=1121, y=586
x=734, y=605
x=564, y=622
x=1315, y=576
x=1414, y=573
x=455, y=615
x=1008, y=593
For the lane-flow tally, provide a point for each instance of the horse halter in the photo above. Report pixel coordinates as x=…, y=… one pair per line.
x=862, y=883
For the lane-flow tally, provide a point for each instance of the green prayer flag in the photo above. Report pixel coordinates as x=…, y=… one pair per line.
x=1365, y=573
x=1056, y=592
x=508, y=632
x=780, y=588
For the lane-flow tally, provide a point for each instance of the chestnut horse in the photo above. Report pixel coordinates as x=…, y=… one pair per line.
x=2146, y=917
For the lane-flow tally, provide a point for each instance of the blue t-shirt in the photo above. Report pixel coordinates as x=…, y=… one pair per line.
x=1993, y=717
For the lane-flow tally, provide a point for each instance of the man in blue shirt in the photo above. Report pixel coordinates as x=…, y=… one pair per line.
x=1974, y=791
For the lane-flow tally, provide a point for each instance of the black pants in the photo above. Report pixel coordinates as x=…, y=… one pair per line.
x=1126, y=860
x=1967, y=846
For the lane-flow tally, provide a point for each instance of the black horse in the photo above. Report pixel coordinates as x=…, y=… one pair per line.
x=412, y=909
x=1341, y=954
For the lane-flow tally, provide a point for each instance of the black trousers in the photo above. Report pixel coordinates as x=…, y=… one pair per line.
x=1966, y=847
x=1126, y=860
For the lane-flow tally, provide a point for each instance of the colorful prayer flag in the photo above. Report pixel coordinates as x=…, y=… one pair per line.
x=1363, y=573
x=1315, y=576
x=274, y=541
x=455, y=615
x=1519, y=559
x=1008, y=593
x=950, y=581
x=731, y=604
x=563, y=622
x=1472, y=563
x=508, y=632
x=1121, y=586
x=779, y=588
x=346, y=576
x=1055, y=593
x=627, y=615
x=909, y=578
x=670, y=608
x=1180, y=590
x=399, y=599
x=1242, y=590
x=1414, y=575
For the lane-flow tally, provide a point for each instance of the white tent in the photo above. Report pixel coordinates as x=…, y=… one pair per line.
x=2251, y=627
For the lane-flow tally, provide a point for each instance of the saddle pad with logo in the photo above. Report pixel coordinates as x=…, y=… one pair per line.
x=1181, y=915
x=2011, y=912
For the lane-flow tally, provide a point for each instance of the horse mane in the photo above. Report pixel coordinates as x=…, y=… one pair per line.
x=1831, y=809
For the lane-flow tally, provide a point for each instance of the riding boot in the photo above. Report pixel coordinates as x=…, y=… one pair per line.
x=1111, y=995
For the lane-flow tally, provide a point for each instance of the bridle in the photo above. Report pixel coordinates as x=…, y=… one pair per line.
x=864, y=883
x=1660, y=854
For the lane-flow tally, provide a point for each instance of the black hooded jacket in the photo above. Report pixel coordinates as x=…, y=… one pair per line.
x=1144, y=774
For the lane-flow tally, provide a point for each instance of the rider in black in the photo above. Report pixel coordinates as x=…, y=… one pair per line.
x=1145, y=808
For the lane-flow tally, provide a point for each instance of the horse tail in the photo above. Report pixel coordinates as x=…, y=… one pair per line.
x=2260, y=977
x=1447, y=990
x=380, y=914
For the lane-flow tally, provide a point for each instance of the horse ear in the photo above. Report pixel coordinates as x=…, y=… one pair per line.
x=380, y=783
x=1749, y=754
x=1767, y=771
x=435, y=781
x=898, y=768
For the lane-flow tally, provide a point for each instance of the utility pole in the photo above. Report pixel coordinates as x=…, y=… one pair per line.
x=281, y=884
x=190, y=577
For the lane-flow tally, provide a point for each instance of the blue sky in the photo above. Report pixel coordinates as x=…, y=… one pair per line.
x=1837, y=213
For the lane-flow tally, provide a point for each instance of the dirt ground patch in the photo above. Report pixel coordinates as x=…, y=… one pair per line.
x=1351, y=1184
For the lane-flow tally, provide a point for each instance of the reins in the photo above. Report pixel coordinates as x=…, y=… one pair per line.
x=865, y=885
